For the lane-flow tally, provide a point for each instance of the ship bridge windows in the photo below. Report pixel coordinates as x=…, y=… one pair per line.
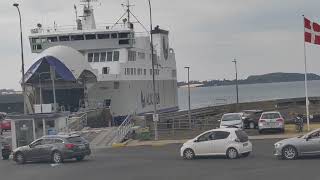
x=90, y=36
x=103, y=57
x=109, y=56
x=77, y=37
x=103, y=36
x=114, y=35
x=96, y=57
x=124, y=41
x=124, y=35
x=64, y=38
x=132, y=55
x=90, y=57
x=116, y=55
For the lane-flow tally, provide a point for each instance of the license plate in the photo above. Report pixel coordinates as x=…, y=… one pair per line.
x=245, y=144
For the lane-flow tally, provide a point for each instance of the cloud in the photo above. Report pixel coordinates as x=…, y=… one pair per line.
x=265, y=36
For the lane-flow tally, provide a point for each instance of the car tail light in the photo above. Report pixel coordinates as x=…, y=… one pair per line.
x=237, y=140
x=262, y=121
x=69, y=146
x=280, y=120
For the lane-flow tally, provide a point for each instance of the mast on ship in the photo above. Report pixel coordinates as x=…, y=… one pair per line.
x=87, y=20
x=128, y=13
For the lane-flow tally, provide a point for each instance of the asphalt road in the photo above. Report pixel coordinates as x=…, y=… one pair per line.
x=163, y=162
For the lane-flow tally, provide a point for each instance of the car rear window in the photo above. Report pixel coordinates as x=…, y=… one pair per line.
x=76, y=140
x=231, y=117
x=270, y=116
x=242, y=136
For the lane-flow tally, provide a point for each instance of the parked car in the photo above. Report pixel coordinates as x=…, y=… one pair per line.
x=5, y=125
x=234, y=120
x=229, y=142
x=251, y=118
x=54, y=148
x=304, y=145
x=271, y=120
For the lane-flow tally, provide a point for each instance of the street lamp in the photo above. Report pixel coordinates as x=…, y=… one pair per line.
x=189, y=99
x=237, y=88
x=155, y=117
x=22, y=62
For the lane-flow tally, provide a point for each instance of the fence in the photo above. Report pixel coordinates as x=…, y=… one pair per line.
x=77, y=123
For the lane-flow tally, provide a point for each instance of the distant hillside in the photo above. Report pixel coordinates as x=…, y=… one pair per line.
x=265, y=78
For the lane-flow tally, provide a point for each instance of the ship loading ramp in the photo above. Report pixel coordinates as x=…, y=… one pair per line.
x=61, y=74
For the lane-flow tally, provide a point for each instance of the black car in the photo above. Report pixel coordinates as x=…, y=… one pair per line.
x=54, y=148
x=251, y=118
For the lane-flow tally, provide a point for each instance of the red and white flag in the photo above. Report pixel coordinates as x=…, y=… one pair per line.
x=311, y=32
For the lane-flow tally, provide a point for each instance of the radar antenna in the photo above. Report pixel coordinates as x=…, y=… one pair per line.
x=129, y=13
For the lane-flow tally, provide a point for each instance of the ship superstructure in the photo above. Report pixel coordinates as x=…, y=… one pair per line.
x=98, y=66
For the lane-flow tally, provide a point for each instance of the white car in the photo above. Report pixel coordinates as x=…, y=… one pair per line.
x=232, y=120
x=271, y=120
x=230, y=142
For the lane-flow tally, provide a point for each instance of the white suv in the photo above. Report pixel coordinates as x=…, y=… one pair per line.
x=231, y=142
x=271, y=120
x=234, y=120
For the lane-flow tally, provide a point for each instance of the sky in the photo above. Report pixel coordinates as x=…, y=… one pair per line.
x=263, y=35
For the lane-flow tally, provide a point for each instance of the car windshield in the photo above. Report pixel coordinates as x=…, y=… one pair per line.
x=231, y=117
x=270, y=116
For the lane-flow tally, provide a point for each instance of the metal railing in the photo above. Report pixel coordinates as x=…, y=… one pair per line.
x=123, y=130
x=78, y=123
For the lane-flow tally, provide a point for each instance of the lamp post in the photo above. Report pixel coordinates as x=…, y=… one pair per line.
x=189, y=99
x=155, y=117
x=22, y=62
x=237, y=88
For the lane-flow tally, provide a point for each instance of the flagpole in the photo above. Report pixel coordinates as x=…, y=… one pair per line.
x=306, y=76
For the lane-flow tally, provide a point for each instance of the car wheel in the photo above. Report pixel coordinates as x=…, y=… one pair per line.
x=246, y=154
x=20, y=159
x=188, y=154
x=79, y=158
x=5, y=157
x=232, y=153
x=56, y=157
x=252, y=125
x=289, y=153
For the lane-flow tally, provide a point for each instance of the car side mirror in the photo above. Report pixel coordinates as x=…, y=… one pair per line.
x=307, y=138
x=197, y=140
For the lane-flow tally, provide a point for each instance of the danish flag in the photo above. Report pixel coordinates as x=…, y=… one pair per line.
x=311, y=32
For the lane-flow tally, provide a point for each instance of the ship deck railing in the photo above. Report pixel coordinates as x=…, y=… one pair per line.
x=68, y=29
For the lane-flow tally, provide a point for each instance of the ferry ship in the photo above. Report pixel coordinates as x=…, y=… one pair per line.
x=90, y=66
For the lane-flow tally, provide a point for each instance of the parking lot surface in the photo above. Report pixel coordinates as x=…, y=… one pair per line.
x=163, y=162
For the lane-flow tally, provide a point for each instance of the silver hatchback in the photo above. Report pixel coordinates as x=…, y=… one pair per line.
x=54, y=148
x=304, y=145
